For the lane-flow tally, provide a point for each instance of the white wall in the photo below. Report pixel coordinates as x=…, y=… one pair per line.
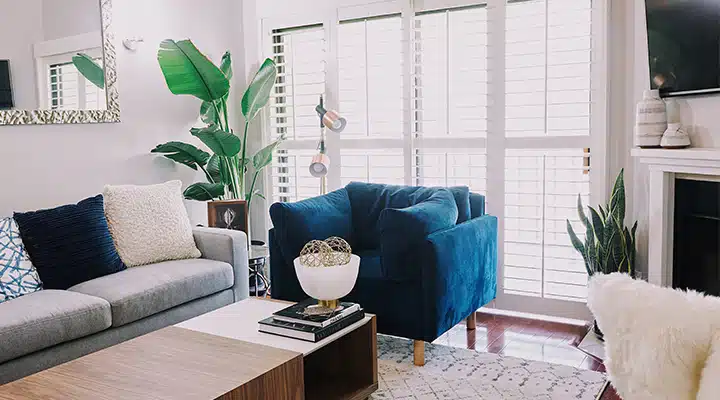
x=20, y=28
x=45, y=166
x=70, y=17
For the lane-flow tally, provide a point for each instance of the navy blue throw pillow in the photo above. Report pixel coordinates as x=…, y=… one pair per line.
x=69, y=244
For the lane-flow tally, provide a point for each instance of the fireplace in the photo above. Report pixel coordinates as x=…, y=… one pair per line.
x=682, y=206
x=696, y=237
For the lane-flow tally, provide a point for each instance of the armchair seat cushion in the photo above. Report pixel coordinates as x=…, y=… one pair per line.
x=146, y=290
x=370, y=264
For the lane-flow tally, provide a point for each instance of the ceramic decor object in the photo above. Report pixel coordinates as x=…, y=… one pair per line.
x=675, y=137
x=651, y=120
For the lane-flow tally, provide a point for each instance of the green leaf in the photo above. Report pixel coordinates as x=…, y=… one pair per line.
x=88, y=68
x=577, y=244
x=213, y=169
x=581, y=212
x=602, y=212
x=226, y=65
x=220, y=142
x=188, y=71
x=183, y=153
x=617, y=199
x=597, y=223
x=208, y=114
x=263, y=158
x=204, y=191
x=258, y=92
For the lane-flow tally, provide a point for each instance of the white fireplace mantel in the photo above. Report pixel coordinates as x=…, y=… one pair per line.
x=664, y=166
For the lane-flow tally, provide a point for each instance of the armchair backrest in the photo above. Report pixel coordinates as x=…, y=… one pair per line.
x=368, y=200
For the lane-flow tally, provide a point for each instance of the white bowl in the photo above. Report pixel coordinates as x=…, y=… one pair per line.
x=328, y=283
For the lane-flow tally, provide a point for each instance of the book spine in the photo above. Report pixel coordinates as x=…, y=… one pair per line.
x=325, y=332
x=340, y=316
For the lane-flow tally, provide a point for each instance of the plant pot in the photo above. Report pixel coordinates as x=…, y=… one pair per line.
x=598, y=332
x=228, y=214
x=328, y=283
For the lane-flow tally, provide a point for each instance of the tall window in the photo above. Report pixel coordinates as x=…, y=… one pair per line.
x=300, y=57
x=501, y=97
x=547, y=123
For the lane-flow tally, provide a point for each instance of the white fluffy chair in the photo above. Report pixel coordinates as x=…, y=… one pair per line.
x=660, y=343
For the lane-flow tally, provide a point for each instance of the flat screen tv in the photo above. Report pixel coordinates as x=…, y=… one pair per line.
x=684, y=44
x=6, y=98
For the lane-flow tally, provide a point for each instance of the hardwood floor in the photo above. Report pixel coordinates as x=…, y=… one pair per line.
x=526, y=338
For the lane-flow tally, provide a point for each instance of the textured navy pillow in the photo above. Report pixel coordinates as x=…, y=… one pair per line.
x=69, y=244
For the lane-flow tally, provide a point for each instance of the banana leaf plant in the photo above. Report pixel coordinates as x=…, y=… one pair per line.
x=189, y=72
x=609, y=245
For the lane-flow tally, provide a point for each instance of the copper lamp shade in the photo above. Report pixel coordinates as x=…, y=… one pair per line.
x=333, y=121
x=320, y=165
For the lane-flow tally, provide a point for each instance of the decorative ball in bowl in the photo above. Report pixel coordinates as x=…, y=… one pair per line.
x=328, y=283
x=327, y=271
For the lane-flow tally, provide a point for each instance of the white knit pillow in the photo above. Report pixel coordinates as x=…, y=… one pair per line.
x=149, y=224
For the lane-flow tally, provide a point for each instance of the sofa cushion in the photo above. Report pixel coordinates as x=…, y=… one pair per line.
x=317, y=218
x=368, y=200
x=69, y=244
x=403, y=230
x=43, y=319
x=139, y=292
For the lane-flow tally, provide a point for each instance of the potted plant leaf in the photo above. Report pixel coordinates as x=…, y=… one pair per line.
x=189, y=72
x=609, y=245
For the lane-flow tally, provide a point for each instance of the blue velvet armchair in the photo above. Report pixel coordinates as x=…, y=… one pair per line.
x=428, y=255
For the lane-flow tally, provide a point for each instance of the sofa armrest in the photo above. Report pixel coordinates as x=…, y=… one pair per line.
x=227, y=246
x=459, y=273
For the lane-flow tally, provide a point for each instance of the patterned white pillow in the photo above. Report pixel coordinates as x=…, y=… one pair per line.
x=17, y=274
x=149, y=224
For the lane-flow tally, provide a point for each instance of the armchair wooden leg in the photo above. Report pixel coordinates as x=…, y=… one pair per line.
x=471, y=322
x=419, y=353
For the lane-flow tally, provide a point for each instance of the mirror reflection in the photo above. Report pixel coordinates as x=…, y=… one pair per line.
x=51, y=55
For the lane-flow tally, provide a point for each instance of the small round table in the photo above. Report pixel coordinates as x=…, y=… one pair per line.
x=259, y=283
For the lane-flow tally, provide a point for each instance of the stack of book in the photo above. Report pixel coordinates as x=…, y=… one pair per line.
x=295, y=323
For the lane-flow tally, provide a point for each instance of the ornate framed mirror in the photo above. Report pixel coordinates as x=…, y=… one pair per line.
x=57, y=62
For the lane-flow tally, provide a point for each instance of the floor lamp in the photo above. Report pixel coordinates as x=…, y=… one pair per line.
x=320, y=164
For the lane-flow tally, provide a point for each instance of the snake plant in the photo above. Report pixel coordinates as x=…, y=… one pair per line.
x=609, y=245
x=189, y=72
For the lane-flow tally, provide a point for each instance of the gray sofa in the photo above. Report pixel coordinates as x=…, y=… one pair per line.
x=50, y=327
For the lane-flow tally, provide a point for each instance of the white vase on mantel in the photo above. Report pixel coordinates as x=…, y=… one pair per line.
x=650, y=120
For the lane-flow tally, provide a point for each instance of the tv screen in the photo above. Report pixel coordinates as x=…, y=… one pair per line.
x=6, y=99
x=684, y=46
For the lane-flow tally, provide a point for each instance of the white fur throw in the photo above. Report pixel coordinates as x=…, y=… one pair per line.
x=657, y=340
x=149, y=224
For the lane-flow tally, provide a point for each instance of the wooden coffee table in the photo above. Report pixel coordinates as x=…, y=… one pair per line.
x=219, y=355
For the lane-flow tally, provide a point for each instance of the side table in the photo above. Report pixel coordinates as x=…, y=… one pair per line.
x=259, y=283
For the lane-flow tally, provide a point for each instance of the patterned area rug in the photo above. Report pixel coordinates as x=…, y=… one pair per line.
x=454, y=373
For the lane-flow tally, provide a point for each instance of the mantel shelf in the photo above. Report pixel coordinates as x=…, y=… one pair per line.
x=695, y=153
x=699, y=161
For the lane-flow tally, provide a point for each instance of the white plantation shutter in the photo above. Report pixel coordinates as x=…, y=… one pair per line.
x=376, y=166
x=547, y=84
x=299, y=54
x=370, y=69
x=450, y=97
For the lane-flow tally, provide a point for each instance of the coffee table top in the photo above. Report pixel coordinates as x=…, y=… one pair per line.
x=240, y=321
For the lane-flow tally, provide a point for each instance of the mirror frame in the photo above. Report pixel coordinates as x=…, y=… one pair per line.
x=110, y=115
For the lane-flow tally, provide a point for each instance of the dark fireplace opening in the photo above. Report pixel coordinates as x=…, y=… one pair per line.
x=696, y=254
